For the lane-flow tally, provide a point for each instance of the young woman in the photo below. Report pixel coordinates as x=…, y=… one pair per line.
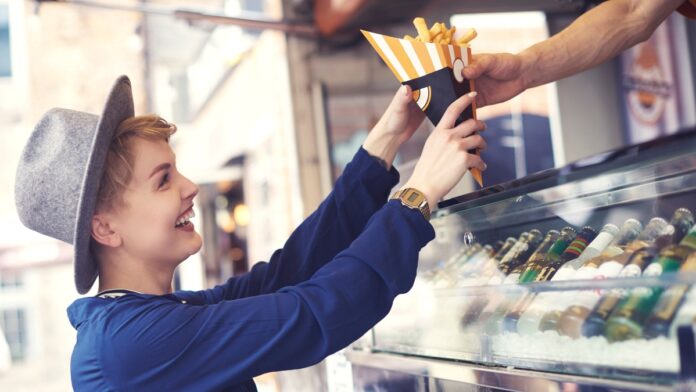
x=109, y=185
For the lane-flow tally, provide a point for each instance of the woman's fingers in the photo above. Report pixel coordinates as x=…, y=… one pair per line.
x=401, y=99
x=475, y=142
x=455, y=109
x=475, y=161
x=468, y=127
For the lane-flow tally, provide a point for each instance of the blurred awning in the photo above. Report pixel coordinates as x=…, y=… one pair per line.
x=332, y=16
x=335, y=16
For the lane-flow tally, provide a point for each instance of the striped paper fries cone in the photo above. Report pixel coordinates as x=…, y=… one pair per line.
x=434, y=72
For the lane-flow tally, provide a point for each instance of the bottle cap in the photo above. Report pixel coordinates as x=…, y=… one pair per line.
x=611, y=229
x=652, y=229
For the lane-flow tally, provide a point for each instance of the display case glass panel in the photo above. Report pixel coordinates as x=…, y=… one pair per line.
x=583, y=270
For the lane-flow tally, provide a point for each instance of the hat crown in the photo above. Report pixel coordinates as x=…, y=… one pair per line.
x=51, y=171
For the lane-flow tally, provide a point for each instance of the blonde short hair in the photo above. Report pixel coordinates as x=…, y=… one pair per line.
x=118, y=169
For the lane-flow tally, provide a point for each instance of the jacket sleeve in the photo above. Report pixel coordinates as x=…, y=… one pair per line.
x=170, y=345
x=359, y=192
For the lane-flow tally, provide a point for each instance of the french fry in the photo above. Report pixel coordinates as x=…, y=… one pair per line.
x=468, y=36
x=422, y=28
x=434, y=30
x=439, y=33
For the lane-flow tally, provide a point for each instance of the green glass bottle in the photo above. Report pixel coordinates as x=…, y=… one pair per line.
x=586, y=235
x=670, y=302
x=681, y=221
x=522, y=252
x=567, y=235
x=577, y=304
x=629, y=317
x=538, y=255
x=582, y=239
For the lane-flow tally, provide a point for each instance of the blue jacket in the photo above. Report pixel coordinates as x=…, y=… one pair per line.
x=335, y=277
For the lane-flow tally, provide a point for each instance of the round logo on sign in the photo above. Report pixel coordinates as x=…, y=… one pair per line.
x=647, y=89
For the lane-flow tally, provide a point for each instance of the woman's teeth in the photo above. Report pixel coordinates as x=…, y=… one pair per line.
x=185, y=219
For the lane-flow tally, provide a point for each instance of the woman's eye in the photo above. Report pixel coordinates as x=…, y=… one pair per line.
x=165, y=180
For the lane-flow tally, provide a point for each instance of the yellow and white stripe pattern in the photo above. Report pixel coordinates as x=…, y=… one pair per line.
x=412, y=59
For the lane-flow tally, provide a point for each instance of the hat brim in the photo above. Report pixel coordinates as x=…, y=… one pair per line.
x=118, y=107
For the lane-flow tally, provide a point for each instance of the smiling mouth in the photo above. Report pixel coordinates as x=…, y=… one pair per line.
x=185, y=218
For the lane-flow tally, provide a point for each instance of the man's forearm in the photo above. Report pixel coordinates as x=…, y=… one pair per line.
x=596, y=36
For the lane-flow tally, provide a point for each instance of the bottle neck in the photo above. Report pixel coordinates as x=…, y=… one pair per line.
x=690, y=239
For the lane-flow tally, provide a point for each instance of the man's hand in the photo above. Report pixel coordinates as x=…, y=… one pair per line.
x=618, y=24
x=498, y=77
x=398, y=123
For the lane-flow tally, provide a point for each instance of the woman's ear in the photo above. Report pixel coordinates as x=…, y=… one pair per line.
x=102, y=231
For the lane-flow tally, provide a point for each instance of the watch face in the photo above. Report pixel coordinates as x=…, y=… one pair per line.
x=414, y=197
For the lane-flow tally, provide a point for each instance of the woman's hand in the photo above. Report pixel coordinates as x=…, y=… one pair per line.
x=445, y=158
x=398, y=123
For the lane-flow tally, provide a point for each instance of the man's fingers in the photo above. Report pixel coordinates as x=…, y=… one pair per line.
x=455, y=109
x=468, y=127
x=481, y=64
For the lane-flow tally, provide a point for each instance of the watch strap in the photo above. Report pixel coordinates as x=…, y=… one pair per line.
x=414, y=199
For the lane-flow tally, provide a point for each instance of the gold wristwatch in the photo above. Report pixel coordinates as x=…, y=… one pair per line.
x=414, y=199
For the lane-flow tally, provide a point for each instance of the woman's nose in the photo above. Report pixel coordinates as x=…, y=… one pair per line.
x=190, y=189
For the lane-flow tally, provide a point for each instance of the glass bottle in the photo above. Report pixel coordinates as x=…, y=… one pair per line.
x=469, y=273
x=627, y=320
x=580, y=242
x=556, y=302
x=579, y=303
x=566, y=236
x=573, y=251
x=595, y=323
x=536, y=257
x=679, y=300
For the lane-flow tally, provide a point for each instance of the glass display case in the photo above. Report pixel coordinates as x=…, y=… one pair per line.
x=581, y=274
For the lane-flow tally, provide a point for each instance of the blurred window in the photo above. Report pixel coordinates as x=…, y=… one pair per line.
x=13, y=324
x=5, y=60
x=10, y=279
x=519, y=130
x=252, y=5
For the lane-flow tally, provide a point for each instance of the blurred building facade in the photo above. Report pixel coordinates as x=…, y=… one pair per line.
x=266, y=122
x=59, y=57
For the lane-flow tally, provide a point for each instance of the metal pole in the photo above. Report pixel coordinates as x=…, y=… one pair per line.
x=193, y=16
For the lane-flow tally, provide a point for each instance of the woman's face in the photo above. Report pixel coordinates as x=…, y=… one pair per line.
x=156, y=201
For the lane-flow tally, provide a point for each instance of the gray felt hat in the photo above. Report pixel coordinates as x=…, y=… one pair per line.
x=59, y=172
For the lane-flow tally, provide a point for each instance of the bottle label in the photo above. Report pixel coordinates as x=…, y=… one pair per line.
x=589, y=298
x=558, y=247
x=564, y=274
x=608, y=269
x=600, y=243
x=513, y=278
x=586, y=298
x=630, y=271
x=545, y=274
x=669, y=302
x=585, y=273
x=653, y=269
x=514, y=252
